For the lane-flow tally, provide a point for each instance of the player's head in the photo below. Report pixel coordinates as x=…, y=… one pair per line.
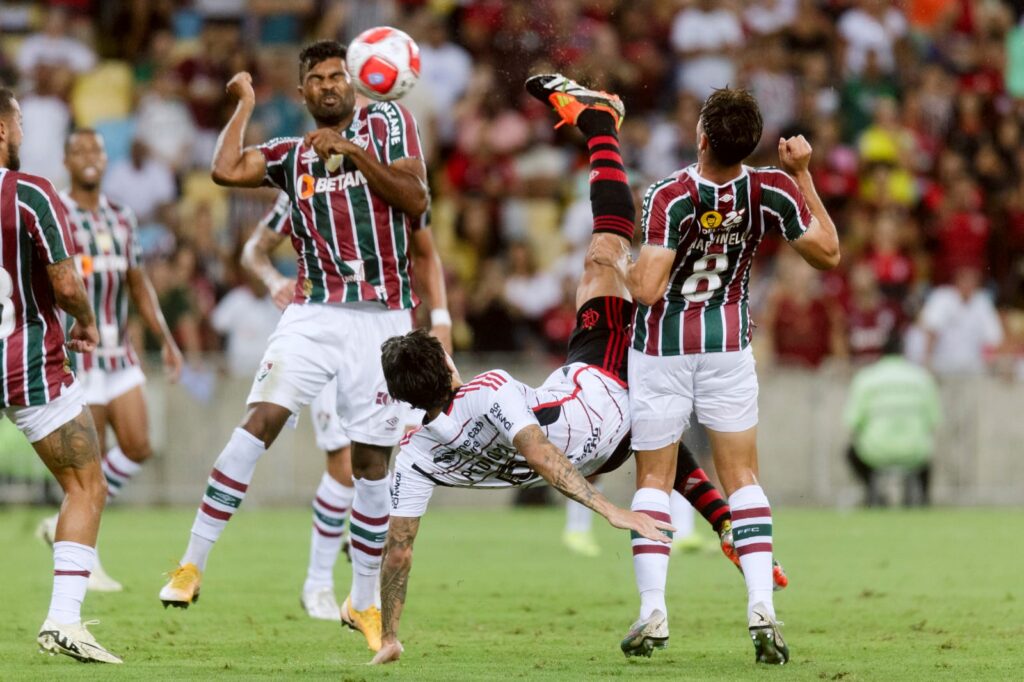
x=324, y=82
x=85, y=157
x=729, y=128
x=417, y=370
x=10, y=130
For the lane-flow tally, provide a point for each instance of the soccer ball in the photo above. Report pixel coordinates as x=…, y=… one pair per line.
x=384, y=63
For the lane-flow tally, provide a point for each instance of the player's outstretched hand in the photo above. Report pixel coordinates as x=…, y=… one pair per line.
x=282, y=292
x=83, y=339
x=389, y=653
x=172, y=362
x=240, y=86
x=643, y=524
x=794, y=154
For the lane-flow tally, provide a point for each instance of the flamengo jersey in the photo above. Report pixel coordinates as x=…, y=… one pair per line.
x=107, y=248
x=583, y=410
x=33, y=234
x=352, y=245
x=715, y=231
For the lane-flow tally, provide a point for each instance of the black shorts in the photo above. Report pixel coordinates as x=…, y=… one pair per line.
x=602, y=335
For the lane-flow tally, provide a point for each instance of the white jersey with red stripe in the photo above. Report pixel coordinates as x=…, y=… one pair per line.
x=582, y=409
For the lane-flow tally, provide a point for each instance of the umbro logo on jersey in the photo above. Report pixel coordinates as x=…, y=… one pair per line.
x=725, y=198
x=309, y=156
x=308, y=185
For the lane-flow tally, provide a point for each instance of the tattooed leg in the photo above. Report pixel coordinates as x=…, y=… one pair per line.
x=72, y=454
x=394, y=577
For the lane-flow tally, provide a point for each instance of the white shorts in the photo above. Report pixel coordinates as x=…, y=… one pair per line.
x=664, y=391
x=410, y=490
x=313, y=343
x=330, y=436
x=102, y=386
x=40, y=421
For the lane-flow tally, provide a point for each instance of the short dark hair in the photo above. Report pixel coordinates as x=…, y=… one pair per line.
x=6, y=101
x=732, y=121
x=317, y=52
x=416, y=370
x=79, y=131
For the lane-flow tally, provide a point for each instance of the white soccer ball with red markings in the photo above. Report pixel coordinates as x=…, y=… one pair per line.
x=384, y=63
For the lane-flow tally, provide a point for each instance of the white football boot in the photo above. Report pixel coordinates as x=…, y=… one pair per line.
x=74, y=641
x=321, y=604
x=646, y=635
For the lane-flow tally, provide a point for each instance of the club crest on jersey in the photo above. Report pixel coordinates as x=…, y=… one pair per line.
x=265, y=370
x=711, y=220
x=307, y=287
x=308, y=185
x=590, y=318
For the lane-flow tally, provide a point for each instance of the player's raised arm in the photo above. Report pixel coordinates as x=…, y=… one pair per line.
x=819, y=244
x=233, y=165
x=394, y=581
x=555, y=468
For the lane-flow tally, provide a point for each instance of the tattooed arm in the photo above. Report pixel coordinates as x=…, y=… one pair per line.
x=555, y=468
x=69, y=292
x=394, y=579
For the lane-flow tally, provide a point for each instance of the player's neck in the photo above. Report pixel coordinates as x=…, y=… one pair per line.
x=340, y=125
x=433, y=412
x=719, y=175
x=89, y=199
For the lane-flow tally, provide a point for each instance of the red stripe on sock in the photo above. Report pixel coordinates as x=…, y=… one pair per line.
x=81, y=574
x=615, y=225
x=606, y=155
x=660, y=516
x=369, y=520
x=329, y=507
x=228, y=481
x=327, y=534
x=106, y=460
x=651, y=549
x=707, y=498
x=608, y=174
x=372, y=551
x=717, y=514
x=754, y=547
x=215, y=513
x=602, y=139
x=752, y=513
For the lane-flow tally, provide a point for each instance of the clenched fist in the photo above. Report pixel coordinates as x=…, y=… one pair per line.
x=794, y=154
x=240, y=86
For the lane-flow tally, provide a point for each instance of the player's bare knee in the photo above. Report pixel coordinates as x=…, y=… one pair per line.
x=370, y=461
x=137, y=451
x=265, y=421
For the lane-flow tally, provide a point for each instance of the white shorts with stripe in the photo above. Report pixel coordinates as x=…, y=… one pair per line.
x=664, y=390
x=314, y=343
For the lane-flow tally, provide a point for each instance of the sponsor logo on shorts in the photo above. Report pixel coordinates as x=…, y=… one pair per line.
x=265, y=370
x=396, y=483
x=590, y=318
x=392, y=423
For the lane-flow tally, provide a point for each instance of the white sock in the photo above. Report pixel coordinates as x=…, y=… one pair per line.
x=368, y=528
x=225, y=490
x=118, y=470
x=330, y=508
x=578, y=518
x=682, y=515
x=72, y=564
x=650, y=558
x=752, y=534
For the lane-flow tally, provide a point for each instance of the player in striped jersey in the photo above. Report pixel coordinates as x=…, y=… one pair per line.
x=334, y=494
x=692, y=328
x=38, y=390
x=358, y=189
x=494, y=432
x=108, y=259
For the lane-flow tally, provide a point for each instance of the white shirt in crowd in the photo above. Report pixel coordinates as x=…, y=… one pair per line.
x=42, y=151
x=963, y=330
x=444, y=73
x=141, y=189
x=247, y=322
x=54, y=51
x=716, y=31
x=864, y=33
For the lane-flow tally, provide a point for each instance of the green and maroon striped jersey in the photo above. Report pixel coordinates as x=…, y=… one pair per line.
x=34, y=366
x=715, y=231
x=352, y=244
x=107, y=247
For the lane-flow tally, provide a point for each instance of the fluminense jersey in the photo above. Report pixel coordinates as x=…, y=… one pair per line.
x=107, y=247
x=715, y=231
x=34, y=233
x=352, y=245
x=583, y=410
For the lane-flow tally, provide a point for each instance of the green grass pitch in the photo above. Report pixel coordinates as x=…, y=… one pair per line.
x=874, y=596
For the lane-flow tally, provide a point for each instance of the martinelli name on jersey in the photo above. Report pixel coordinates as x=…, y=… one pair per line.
x=34, y=367
x=352, y=245
x=715, y=231
x=582, y=410
x=107, y=243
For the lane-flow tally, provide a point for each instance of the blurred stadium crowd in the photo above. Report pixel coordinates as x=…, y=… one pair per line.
x=913, y=108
